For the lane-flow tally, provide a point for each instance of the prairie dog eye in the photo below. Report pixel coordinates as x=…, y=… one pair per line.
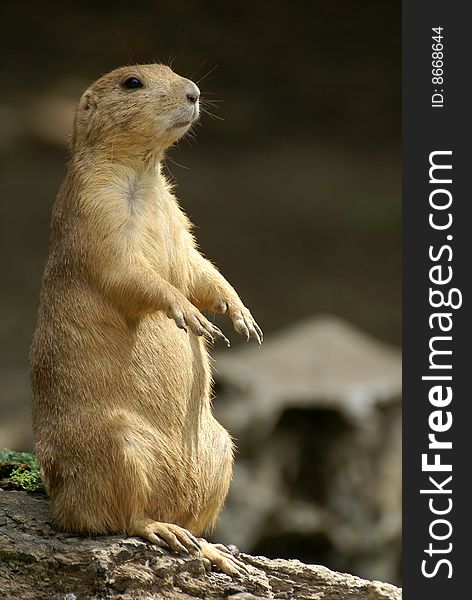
x=132, y=83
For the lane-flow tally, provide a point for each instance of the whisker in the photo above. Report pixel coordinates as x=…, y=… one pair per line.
x=202, y=79
x=212, y=114
x=172, y=60
x=189, y=139
x=177, y=164
x=205, y=101
x=167, y=168
x=123, y=45
x=205, y=60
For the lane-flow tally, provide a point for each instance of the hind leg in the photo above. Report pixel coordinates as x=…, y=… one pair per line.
x=219, y=467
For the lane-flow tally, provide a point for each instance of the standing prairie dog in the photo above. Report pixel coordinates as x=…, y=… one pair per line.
x=121, y=380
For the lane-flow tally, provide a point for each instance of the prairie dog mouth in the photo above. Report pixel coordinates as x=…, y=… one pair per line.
x=186, y=121
x=181, y=124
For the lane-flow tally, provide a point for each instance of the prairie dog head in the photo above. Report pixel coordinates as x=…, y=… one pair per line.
x=135, y=111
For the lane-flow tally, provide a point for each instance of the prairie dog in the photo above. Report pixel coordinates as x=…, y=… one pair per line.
x=121, y=379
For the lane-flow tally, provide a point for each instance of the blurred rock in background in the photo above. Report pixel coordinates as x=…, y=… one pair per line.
x=317, y=420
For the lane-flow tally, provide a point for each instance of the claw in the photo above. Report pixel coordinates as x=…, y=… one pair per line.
x=259, y=333
x=252, y=332
x=209, y=337
x=223, y=559
x=240, y=326
x=177, y=538
x=254, y=329
x=221, y=335
x=180, y=322
x=245, y=325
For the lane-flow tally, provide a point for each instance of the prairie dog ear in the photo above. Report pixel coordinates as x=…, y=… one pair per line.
x=87, y=105
x=85, y=111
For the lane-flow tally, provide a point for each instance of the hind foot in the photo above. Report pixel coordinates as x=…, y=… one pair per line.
x=178, y=539
x=222, y=557
x=182, y=541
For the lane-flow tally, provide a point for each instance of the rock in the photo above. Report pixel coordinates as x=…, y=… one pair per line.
x=37, y=562
x=316, y=415
x=321, y=361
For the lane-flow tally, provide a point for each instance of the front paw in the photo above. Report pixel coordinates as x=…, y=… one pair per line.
x=187, y=316
x=244, y=323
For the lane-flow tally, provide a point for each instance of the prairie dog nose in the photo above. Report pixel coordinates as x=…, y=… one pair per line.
x=192, y=92
x=192, y=97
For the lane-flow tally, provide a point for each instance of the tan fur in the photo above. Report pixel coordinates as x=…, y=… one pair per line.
x=121, y=378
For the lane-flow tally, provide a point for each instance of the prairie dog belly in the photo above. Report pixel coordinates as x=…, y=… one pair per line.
x=169, y=422
x=169, y=372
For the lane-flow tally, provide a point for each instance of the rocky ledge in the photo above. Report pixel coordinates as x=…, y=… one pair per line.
x=37, y=562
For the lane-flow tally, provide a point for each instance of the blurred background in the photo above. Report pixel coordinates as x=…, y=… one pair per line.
x=294, y=186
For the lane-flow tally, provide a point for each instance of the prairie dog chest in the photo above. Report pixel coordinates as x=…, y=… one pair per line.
x=156, y=227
